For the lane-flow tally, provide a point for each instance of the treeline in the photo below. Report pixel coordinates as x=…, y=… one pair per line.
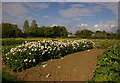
x=97, y=34
x=12, y=30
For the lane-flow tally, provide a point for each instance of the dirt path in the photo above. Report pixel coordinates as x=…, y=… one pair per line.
x=73, y=67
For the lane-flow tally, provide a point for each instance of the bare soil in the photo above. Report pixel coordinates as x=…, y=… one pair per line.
x=73, y=67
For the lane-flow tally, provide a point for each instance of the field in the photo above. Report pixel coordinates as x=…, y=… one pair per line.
x=72, y=66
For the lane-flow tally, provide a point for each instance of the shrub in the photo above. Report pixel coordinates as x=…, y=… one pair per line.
x=12, y=42
x=107, y=43
x=31, y=53
x=108, y=65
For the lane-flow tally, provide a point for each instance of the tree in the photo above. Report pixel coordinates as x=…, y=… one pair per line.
x=34, y=23
x=78, y=33
x=10, y=30
x=104, y=32
x=84, y=33
x=40, y=31
x=118, y=33
x=98, y=31
x=64, y=32
x=60, y=31
x=48, y=31
x=25, y=26
x=32, y=30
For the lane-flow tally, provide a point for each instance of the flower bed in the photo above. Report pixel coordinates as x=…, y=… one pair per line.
x=30, y=54
x=108, y=65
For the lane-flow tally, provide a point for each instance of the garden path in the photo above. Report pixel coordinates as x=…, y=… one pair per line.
x=73, y=67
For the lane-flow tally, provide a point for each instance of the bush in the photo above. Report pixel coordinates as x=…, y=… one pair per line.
x=8, y=44
x=30, y=54
x=107, y=43
x=12, y=42
x=108, y=65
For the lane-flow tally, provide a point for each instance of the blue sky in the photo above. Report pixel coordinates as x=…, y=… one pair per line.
x=73, y=15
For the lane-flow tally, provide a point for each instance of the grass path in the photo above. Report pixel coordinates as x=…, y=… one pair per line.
x=73, y=67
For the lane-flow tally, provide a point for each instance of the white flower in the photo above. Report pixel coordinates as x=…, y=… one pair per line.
x=33, y=60
x=49, y=52
x=7, y=57
x=35, y=49
x=61, y=57
x=42, y=47
x=25, y=41
x=29, y=53
x=58, y=48
x=29, y=60
x=43, y=52
x=25, y=60
x=88, y=50
x=8, y=53
x=32, y=49
x=45, y=65
x=46, y=50
x=29, y=47
x=50, y=49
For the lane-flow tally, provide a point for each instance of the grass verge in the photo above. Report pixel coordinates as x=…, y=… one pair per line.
x=7, y=78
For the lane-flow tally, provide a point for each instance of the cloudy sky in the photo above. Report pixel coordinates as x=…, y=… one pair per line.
x=73, y=15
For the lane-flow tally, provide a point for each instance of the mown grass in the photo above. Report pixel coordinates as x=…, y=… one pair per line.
x=7, y=78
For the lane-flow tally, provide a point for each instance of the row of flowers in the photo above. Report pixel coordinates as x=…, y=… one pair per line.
x=29, y=54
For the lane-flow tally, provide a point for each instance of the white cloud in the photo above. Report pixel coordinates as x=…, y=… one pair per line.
x=107, y=27
x=19, y=9
x=74, y=12
x=0, y=12
x=14, y=9
x=30, y=18
x=9, y=19
x=77, y=5
x=110, y=5
x=84, y=25
x=76, y=19
x=46, y=16
x=63, y=21
x=96, y=26
x=113, y=22
x=37, y=5
x=60, y=0
x=77, y=10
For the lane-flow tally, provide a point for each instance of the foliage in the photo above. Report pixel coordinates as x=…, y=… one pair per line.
x=32, y=30
x=34, y=23
x=12, y=42
x=25, y=26
x=8, y=44
x=30, y=54
x=60, y=31
x=118, y=33
x=109, y=65
x=98, y=31
x=10, y=30
x=9, y=78
x=107, y=43
x=84, y=33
